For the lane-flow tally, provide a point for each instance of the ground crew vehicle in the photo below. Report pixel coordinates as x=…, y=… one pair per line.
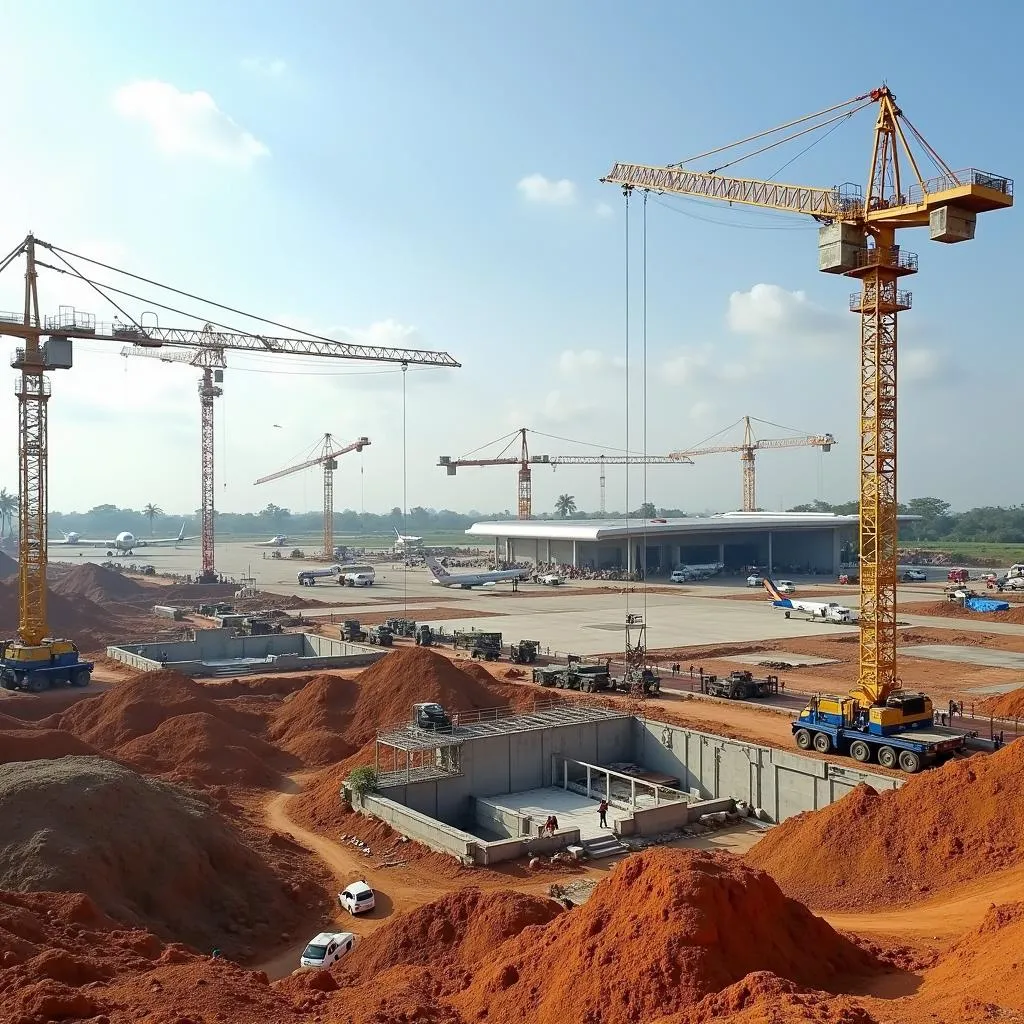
x=381, y=636
x=351, y=630
x=37, y=668
x=958, y=576
x=357, y=898
x=739, y=686
x=326, y=949
x=524, y=652
x=897, y=732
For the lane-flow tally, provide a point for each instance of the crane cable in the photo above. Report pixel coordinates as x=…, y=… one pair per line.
x=643, y=278
x=405, y=504
x=629, y=545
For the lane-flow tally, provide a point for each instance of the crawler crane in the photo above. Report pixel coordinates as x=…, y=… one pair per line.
x=35, y=660
x=857, y=238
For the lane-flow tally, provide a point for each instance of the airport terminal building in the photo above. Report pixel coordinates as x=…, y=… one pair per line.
x=797, y=542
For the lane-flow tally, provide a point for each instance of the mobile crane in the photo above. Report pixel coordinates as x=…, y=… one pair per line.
x=36, y=660
x=857, y=239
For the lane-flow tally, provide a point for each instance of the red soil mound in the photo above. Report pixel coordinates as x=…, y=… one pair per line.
x=98, y=584
x=938, y=830
x=311, y=723
x=984, y=966
x=952, y=610
x=139, y=705
x=64, y=960
x=464, y=927
x=25, y=741
x=201, y=748
x=410, y=675
x=77, y=617
x=702, y=921
x=1005, y=705
x=764, y=998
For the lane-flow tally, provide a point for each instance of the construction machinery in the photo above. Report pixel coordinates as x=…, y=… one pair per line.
x=525, y=461
x=37, y=667
x=351, y=630
x=749, y=446
x=524, y=652
x=36, y=357
x=381, y=636
x=327, y=458
x=739, y=685
x=858, y=239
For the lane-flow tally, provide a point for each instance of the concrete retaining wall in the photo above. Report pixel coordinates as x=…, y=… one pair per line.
x=781, y=782
x=435, y=834
x=502, y=820
x=512, y=849
x=652, y=821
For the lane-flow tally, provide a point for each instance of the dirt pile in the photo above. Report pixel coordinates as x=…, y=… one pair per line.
x=150, y=854
x=465, y=927
x=27, y=741
x=410, y=675
x=79, y=618
x=312, y=723
x=97, y=584
x=1005, y=705
x=703, y=922
x=953, y=610
x=64, y=959
x=939, y=830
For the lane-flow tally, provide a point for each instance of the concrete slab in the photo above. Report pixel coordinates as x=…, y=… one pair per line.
x=996, y=687
x=794, y=659
x=965, y=655
x=573, y=810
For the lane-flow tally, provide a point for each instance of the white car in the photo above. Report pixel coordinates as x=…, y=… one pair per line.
x=755, y=580
x=915, y=576
x=785, y=586
x=326, y=949
x=358, y=898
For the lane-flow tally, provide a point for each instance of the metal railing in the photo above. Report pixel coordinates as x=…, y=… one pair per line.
x=887, y=256
x=918, y=193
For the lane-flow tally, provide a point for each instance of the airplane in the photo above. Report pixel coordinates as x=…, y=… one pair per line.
x=277, y=541
x=124, y=543
x=468, y=580
x=402, y=542
x=826, y=611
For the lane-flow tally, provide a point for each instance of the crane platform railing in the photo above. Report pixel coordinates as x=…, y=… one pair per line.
x=917, y=192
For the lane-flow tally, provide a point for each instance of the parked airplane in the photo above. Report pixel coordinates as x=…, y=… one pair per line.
x=406, y=542
x=826, y=611
x=468, y=580
x=278, y=541
x=124, y=543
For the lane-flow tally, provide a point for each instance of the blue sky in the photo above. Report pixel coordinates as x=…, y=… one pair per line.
x=428, y=174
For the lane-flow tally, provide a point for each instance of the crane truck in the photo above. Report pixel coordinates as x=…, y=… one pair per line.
x=37, y=667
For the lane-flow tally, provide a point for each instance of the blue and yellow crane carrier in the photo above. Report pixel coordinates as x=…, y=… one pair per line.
x=896, y=731
x=37, y=667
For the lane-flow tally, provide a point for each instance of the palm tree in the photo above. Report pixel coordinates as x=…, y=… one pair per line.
x=8, y=507
x=151, y=511
x=566, y=505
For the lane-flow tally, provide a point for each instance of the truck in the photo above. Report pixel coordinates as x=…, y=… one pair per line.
x=896, y=732
x=351, y=630
x=486, y=646
x=424, y=636
x=37, y=667
x=587, y=678
x=739, y=685
x=381, y=636
x=402, y=627
x=524, y=652
x=255, y=625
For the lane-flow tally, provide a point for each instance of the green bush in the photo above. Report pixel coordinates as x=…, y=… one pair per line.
x=363, y=779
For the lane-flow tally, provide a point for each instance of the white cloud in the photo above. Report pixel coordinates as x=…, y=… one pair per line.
x=537, y=189
x=560, y=407
x=920, y=364
x=588, y=360
x=685, y=368
x=188, y=123
x=604, y=211
x=770, y=312
x=275, y=68
x=702, y=411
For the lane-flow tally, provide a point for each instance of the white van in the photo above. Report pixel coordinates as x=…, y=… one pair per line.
x=358, y=579
x=358, y=898
x=326, y=949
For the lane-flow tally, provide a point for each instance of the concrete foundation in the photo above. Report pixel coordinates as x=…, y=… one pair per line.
x=221, y=652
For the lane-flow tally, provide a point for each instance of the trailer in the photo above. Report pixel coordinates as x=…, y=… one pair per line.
x=840, y=725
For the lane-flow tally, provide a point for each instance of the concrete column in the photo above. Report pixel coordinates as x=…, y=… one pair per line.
x=565, y=774
x=588, y=781
x=607, y=787
x=721, y=552
x=536, y=552
x=497, y=549
x=575, y=555
x=837, y=550
x=770, y=570
x=632, y=793
x=547, y=545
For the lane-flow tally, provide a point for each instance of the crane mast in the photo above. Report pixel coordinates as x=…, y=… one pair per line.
x=858, y=239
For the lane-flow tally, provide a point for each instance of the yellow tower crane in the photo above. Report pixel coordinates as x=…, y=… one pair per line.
x=328, y=459
x=857, y=238
x=35, y=660
x=749, y=446
x=525, y=461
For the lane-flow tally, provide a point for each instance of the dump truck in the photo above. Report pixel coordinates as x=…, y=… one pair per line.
x=739, y=686
x=898, y=731
x=524, y=652
x=381, y=636
x=37, y=668
x=486, y=646
x=351, y=630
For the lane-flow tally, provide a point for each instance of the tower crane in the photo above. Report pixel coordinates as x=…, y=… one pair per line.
x=525, y=461
x=28, y=660
x=328, y=459
x=749, y=446
x=857, y=238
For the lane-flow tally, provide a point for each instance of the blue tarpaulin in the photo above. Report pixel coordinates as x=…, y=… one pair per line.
x=986, y=604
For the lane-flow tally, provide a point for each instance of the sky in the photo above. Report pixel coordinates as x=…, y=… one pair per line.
x=427, y=176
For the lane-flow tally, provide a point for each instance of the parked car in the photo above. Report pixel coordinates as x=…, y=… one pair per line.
x=327, y=948
x=431, y=716
x=915, y=576
x=755, y=580
x=357, y=898
x=785, y=586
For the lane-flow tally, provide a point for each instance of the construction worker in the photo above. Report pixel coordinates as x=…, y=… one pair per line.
x=602, y=814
